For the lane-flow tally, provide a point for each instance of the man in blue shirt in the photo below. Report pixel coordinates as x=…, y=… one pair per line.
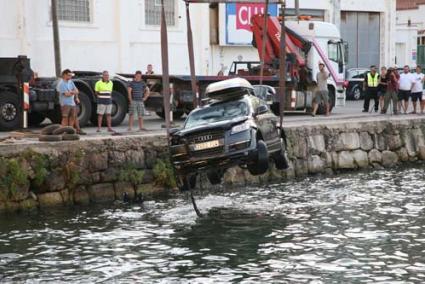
x=68, y=97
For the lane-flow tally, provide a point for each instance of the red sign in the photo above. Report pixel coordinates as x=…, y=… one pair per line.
x=244, y=13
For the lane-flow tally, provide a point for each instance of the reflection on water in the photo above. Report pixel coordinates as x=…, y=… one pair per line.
x=357, y=228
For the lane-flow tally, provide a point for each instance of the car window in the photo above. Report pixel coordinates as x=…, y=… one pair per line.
x=218, y=112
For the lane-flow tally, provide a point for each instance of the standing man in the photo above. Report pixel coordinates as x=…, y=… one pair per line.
x=68, y=97
x=370, y=86
x=149, y=70
x=418, y=88
x=103, y=89
x=392, y=90
x=322, y=92
x=138, y=93
x=406, y=84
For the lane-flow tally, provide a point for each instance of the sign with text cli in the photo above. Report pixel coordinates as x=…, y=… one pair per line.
x=238, y=18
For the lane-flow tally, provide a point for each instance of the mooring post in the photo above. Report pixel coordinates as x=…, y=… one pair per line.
x=165, y=70
x=282, y=64
x=195, y=98
x=56, y=38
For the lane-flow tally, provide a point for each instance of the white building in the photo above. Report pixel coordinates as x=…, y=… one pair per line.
x=123, y=36
x=410, y=31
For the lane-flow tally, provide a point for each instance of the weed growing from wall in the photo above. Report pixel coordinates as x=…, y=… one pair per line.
x=131, y=174
x=163, y=174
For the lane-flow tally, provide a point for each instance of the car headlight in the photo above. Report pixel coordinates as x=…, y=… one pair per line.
x=240, y=127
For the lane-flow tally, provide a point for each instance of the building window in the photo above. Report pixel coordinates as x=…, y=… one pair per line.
x=74, y=10
x=153, y=12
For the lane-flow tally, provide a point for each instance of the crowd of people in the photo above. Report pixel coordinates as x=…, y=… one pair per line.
x=138, y=93
x=390, y=87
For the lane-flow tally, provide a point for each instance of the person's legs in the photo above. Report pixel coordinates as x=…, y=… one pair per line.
x=72, y=116
x=414, y=102
x=386, y=98
x=101, y=109
x=140, y=113
x=131, y=116
x=406, y=101
x=316, y=102
x=65, y=115
x=376, y=100
x=366, y=101
x=394, y=98
x=108, y=112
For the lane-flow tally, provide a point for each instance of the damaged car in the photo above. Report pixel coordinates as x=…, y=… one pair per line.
x=235, y=129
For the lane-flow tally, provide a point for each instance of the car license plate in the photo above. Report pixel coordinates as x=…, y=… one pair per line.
x=206, y=145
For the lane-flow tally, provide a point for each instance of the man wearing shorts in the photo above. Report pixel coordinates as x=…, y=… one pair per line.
x=406, y=84
x=68, y=97
x=418, y=88
x=103, y=90
x=138, y=93
x=322, y=93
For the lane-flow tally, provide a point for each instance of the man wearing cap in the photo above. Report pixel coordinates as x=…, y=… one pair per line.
x=68, y=98
x=103, y=90
x=370, y=86
x=322, y=92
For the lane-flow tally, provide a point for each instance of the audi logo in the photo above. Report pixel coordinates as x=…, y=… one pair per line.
x=204, y=138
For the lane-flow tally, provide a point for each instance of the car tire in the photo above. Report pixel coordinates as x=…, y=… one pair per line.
x=356, y=93
x=48, y=130
x=214, y=176
x=70, y=137
x=260, y=165
x=280, y=159
x=35, y=118
x=10, y=111
x=64, y=130
x=50, y=138
x=186, y=183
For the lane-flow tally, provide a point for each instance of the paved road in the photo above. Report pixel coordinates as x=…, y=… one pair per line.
x=352, y=111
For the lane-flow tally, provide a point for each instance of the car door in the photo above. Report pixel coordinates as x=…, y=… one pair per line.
x=267, y=123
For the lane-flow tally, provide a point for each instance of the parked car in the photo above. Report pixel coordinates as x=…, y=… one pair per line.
x=354, y=83
x=236, y=129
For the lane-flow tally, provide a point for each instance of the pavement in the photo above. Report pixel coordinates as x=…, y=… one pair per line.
x=351, y=112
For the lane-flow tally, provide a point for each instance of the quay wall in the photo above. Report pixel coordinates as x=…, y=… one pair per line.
x=93, y=170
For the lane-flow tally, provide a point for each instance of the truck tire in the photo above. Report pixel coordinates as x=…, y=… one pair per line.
x=260, y=165
x=70, y=137
x=64, y=130
x=176, y=114
x=85, y=109
x=10, y=111
x=50, y=138
x=119, y=108
x=48, y=130
x=35, y=118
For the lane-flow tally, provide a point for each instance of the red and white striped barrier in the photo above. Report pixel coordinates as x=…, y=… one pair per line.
x=26, y=106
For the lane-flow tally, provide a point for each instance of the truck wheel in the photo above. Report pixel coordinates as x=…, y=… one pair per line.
x=215, y=176
x=280, y=159
x=260, y=165
x=119, y=108
x=55, y=115
x=176, y=114
x=10, y=111
x=35, y=118
x=85, y=109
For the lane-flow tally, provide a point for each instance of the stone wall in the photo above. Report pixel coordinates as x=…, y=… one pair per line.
x=80, y=172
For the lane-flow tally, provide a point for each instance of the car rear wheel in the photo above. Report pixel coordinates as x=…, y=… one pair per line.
x=280, y=159
x=356, y=93
x=260, y=165
x=215, y=176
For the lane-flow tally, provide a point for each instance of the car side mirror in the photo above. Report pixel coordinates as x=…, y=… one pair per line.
x=261, y=109
x=173, y=130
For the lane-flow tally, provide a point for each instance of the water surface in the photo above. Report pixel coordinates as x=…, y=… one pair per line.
x=353, y=228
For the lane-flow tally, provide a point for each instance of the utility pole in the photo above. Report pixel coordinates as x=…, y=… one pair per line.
x=56, y=39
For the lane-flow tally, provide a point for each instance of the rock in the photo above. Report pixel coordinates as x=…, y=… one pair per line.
x=389, y=159
x=394, y=142
x=366, y=142
x=231, y=176
x=20, y=193
x=316, y=144
x=97, y=161
x=150, y=158
x=301, y=167
x=50, y=199
x=300, y=148
x=379, y=141
x=117, y=158
x=348, y=141
x=95, y=178
x=102, y=192
x=409, y=142
x=375, y=156
x=109, y=175
x=148, y=176
x=81, y=196
x=421, y=152
x=55, y=181
x=28, y=204
x=377, y=166
x=361, y=159
x=136, y=158
x=122, y=188
x=403, y=154
x=249, y=179
x=316, y=164
x=66, y=196
x=345, y=160
x=9, y=206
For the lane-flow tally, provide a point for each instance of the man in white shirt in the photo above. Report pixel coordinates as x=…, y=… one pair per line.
x=406, y=84
x=418, y=89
